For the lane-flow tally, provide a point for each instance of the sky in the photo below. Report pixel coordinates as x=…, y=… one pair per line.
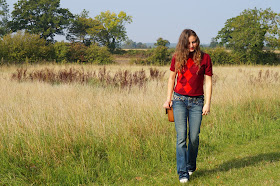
x=152, y=19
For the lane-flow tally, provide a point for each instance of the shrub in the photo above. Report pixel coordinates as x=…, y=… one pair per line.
x=77, y=52
x=98, y=55
x=157, y=56
x=220, y=56
x=21, y=46
x=61, y=50
x=269, y=58
x=160, y=56
x=2, y=51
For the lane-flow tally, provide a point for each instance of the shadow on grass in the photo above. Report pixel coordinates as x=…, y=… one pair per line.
x=241, y=163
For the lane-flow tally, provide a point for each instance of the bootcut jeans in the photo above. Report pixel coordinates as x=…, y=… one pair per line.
x=187, y=116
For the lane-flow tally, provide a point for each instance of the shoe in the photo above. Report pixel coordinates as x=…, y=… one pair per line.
x=184, y=180
x=190, y=172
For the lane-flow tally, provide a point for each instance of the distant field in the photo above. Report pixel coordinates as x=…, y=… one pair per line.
x=101, y=134
x=122, y=60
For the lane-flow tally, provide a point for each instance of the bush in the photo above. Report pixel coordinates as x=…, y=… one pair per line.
x=62, y=51
x=269, y=58
x=77, y=52
x=98, y=55
x=21, y=47
x=161, y=56
x=157, y=56
x=220, y=56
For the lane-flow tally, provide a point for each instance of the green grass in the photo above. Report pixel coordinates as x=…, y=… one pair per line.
x=235, y=149
x=130, y=141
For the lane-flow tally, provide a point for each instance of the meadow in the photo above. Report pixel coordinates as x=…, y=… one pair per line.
x=102, y=133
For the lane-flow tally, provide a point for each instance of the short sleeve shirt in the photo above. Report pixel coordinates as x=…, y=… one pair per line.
x=190, y=80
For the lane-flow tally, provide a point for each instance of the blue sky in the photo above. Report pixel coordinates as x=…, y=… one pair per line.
x=165, y=18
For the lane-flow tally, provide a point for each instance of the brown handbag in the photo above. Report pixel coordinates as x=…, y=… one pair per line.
x=169, y=112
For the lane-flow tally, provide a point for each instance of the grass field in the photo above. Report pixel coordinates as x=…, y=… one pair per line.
x=93, y=134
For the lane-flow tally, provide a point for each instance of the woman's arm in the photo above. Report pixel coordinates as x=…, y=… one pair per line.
x=171, y=82
x=208, y=94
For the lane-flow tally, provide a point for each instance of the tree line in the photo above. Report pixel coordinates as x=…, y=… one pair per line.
x=47, y=18
x=250, y=37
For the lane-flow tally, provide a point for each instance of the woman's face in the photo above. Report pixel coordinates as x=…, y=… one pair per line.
x=192, y=43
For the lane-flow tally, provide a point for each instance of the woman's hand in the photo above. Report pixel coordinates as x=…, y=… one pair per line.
x=167, y=104
x=206, y=109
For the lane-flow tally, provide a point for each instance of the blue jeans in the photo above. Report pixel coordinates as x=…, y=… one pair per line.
x=187, y=115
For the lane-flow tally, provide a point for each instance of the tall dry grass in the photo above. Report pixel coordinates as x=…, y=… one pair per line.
x=108, y=131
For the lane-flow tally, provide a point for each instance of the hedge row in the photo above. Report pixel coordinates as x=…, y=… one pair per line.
x=160, y=55
x=23, y=47
x=221, y=56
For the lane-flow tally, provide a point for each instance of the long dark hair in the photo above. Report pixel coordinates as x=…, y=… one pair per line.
x=182, y=51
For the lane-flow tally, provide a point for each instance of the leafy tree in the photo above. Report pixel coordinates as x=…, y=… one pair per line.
x=162, y=42
x=44, y=17
x=247, y=33
x=141, y=45
x=129, y=44
x=113, y=31
x=160, y=56
x=82, y=26
x=214, y=43
x=4, y=15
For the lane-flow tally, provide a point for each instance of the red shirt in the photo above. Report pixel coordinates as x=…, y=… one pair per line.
x=190, y=80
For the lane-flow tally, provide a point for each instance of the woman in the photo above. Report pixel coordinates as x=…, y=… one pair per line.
x=190, y=66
